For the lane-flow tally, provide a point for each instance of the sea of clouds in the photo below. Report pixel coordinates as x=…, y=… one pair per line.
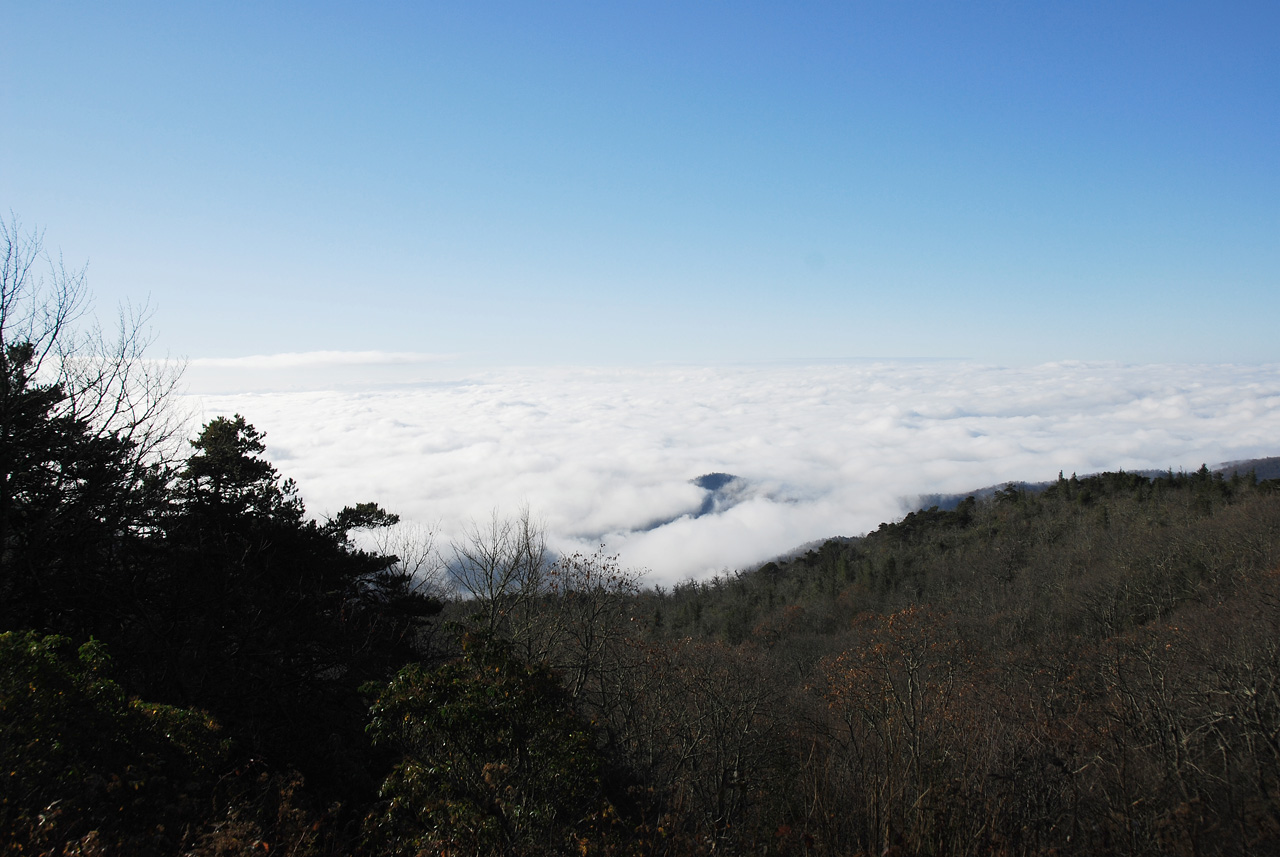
x=608, y=455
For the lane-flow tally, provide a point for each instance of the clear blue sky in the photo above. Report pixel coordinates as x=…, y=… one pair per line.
x=701, y=182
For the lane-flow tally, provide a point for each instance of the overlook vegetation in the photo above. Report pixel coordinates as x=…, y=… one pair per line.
x=190, y=664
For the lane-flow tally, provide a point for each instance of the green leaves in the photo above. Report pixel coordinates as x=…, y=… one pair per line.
x=494, y=759
x=361, y=516
x=227, y=471
x=80, y=756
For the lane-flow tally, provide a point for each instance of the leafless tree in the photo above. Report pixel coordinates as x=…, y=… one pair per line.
x=418, y=560
x=502, y=564
x=585, y=621
x=106, y=381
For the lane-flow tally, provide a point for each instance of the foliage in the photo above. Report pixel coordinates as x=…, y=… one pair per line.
x=494, y=759
x=84, y=428
x=65, y=492
x=84, y=763
x=266, y=618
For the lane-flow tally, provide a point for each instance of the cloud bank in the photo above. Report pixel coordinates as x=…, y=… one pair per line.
x=301, y=370
x=307, y=359
x=611, y=455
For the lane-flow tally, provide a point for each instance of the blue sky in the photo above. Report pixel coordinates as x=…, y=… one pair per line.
x=637, y=183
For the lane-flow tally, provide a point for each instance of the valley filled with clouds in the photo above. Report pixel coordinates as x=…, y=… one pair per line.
x=610, y=455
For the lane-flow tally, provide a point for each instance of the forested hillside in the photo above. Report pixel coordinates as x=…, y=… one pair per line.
x=1091, y=669
x=191, y=664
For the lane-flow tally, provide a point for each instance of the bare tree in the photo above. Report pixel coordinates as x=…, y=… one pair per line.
x=502, y=564
x=47, y=334
x=585, y=623
x=418, y=560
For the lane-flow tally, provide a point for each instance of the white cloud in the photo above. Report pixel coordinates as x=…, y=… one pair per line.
x=825, y=450
x=309, y=370
x=307, y=359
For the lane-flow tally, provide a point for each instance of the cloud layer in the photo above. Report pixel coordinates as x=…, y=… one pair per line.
x=609, y=455
x=301, y=370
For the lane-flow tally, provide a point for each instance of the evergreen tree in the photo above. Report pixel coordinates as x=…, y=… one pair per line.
x=268, y=619
x=71, y=503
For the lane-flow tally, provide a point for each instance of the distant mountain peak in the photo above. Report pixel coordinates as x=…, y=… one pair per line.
x=714, y=481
